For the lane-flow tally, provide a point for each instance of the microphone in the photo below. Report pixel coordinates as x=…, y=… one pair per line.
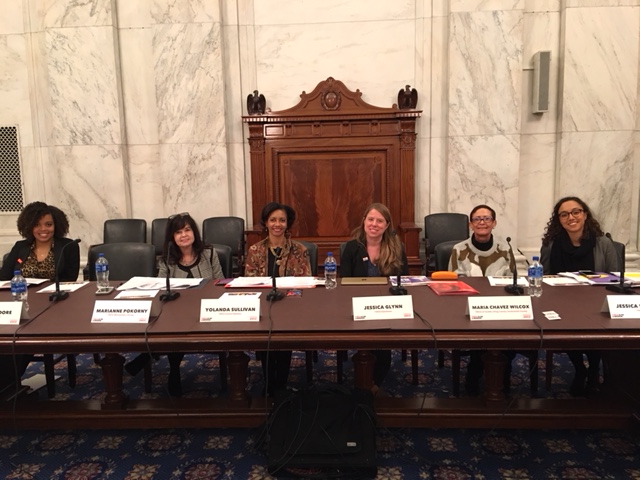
x=168, y=295
x=621, y=287
x=514, y=288
x=398, y=289
x=58, y=295
x=275, y=294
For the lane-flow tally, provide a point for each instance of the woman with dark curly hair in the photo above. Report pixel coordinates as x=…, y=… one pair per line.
x=43, y=228
x=574, y=241
x=279, y=256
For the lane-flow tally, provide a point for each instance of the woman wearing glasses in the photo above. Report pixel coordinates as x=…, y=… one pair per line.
x=573, y=240
x=482, y=255
x=186, y=256
x=277, y=256
x=375, y=251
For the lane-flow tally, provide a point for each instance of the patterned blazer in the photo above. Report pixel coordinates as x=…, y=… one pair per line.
x=208, y=267
x=294, y=260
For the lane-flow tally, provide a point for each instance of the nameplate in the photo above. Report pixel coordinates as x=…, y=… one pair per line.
x=500, y=308
x=121, y=311
x=12, y=312
x=230, y=309
x=382, y=308
x=622, y=306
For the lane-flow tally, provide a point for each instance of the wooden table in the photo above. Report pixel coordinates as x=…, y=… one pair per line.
x=322, y=319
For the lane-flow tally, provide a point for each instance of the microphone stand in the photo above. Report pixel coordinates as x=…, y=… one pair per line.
x=621, y=287
x=398, y=289
x=274, y=295
x=58, y=295
x=168, y=295
x=514, y=288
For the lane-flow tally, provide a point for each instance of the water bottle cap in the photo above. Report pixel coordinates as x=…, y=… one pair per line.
x=535, y=257
x=329, y=254
x=16, y=272
x=100, y=255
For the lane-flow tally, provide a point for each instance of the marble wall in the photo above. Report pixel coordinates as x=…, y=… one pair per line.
x=133, y=109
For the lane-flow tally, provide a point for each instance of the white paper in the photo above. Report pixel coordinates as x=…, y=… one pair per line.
x=230, y=309
x=500, y=308
x=121, y=311
x=281, y=282
x=389, y=307
x=240, y=295
x=30, y=281
x=155, y=283
x=136, y=294
x=557, y=280
x=504, y=281
x=64, y=287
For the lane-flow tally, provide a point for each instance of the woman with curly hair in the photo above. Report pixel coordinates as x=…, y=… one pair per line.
x=573, y=241
x=278, y=256
x=43, y=228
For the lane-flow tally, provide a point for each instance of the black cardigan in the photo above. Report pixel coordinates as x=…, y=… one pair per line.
x=69, y=263
x=352, y=263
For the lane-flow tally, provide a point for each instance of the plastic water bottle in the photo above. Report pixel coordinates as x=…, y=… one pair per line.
x=534, y=277
x=19, y=290
x=330, y=272
x=102, y=272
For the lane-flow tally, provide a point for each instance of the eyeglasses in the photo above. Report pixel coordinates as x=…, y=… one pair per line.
x=183, y=214
x=575, y=213
x=486, y=219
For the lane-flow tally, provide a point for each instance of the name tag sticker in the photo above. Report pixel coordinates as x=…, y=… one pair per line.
x=230, y=309
x=12, y=312
x=121, y=311
x=500, y=308
x=389, y=307
x=622, y=306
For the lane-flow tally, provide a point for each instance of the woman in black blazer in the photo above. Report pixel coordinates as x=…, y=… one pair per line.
x=43, y=249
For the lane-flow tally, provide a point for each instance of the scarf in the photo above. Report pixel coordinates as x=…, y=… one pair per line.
x=565, y=257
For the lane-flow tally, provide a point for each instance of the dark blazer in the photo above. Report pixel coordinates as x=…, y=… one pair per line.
x=69, y=263
x=352, y=263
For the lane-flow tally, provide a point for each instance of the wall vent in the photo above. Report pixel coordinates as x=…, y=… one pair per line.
x=11, y=197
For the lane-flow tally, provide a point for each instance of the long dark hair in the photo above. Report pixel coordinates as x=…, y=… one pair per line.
x=33, y=212
x=175, y=223
x=555, y=228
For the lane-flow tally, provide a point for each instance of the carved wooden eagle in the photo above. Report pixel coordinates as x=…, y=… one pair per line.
x=407, y=98
x=256, y=103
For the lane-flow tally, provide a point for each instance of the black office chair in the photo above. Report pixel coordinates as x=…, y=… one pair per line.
x=226, y=231
x=126, y=260
x=119, y=230
x=443, y=227
x=158, y=231
x=225, y=256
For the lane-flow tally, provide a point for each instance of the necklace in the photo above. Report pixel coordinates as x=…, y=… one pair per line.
x=276, y=255
x=187, y=260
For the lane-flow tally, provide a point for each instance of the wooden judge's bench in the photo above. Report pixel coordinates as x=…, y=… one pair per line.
x=329, y=157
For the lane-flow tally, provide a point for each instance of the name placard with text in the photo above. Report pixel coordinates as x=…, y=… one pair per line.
x=11, y=312
x=121, y=311
x=623, y=306
x=230, y=309
x=389, y=307
x=500, y=308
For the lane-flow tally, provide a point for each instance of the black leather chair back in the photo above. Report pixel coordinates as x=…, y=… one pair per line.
x=118, y=230
x=225, y=256
x=226, y=231
x=158, y=231
x=126, y=260
x=443, y=227
x=312, y=248
x=443, y=254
